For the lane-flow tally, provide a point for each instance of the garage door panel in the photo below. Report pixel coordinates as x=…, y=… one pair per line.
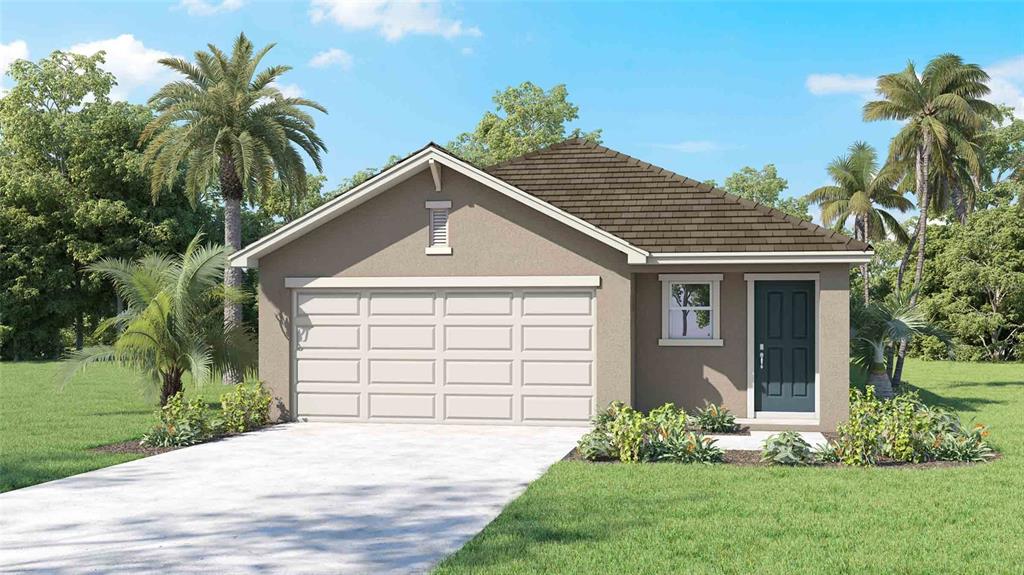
x=401, y=371
x=330, y=404
x=330, y=370
x=327, y=387
x=402, y=337
x=328, y=304
x=563, y=408
x=556, y=303
x=575, y=337
x=476, y=407
x=477, y=372
x=539, y=372
x=402, y=405
x=476, y=337
x=404, y=304
x=328, y=337
x=478, y=303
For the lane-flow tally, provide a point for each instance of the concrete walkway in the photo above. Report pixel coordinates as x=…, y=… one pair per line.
x=755, y=441
x=297, y=498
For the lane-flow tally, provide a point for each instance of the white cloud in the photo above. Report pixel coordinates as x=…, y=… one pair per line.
x=207, y=8
x=467, y=51
x=1007, y=83
x=136, y=67
x=288, y=90
x=16, y=50
x=693, y=146
x=392, y=19
x=824, y=84
x=332, y=57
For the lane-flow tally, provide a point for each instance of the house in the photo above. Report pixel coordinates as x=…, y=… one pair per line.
x=538, y=290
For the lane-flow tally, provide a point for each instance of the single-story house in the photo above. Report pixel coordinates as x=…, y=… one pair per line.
x=539, y=290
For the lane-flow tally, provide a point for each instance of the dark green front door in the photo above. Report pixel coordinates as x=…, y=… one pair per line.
x=784, y=337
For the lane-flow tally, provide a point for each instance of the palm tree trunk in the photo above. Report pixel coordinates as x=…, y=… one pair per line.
x=232, y=190
x=171, y=385
x=902, y=270
x=923, y=156
x=864, y=271
x=959, y=203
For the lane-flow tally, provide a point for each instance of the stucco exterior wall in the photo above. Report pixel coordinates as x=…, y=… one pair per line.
x=689, y=376
x=491, y=235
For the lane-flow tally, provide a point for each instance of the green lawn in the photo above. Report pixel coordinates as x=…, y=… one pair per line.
x=665, y=518
x=46, y=431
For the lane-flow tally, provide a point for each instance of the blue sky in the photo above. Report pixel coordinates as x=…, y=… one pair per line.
x=699, y=88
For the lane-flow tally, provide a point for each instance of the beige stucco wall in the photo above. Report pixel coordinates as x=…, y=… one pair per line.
x=689, y=376
x=491, y=235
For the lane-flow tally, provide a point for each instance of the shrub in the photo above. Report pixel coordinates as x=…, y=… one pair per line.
x=181, y=423
x=245, y=407
x=828, y=453
x=596, y=445
x=786, y=448
x=682, y=446
x=715, y=419
x=905, y=429
x=629, y=434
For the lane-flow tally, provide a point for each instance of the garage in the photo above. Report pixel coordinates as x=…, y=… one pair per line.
x=482, y=350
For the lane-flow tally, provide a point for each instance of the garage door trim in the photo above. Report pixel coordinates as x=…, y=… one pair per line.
x=442, y=282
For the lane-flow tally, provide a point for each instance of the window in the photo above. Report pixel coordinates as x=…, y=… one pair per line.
x=690, y=309
x=438, y=242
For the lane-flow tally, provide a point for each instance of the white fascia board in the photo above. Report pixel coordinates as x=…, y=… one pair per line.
x=823, y=257
x=443, y=282
x=249, y=256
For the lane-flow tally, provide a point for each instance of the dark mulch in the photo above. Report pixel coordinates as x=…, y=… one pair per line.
x=132, y=448
x=753, y=459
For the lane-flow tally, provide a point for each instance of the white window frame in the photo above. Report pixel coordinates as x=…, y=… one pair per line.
x=439, y=249
x=715, y=281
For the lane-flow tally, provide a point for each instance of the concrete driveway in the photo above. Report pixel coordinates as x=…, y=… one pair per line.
x=296, y=498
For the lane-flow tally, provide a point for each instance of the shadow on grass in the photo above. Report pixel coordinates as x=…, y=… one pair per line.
x=959, y=404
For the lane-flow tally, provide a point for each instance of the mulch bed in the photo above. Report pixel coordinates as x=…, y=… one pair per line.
x=132, y=448
x=749, y=458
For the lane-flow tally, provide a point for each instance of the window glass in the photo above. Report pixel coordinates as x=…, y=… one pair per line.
x=689, y=311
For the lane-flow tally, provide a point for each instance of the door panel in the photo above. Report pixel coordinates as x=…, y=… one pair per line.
x=784, y=346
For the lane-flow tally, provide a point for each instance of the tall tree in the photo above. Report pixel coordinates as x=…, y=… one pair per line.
x=862, y=192
x=229, y=125
x=71, y=192
x=765, y=186
x=533, y=118
x=940, y=109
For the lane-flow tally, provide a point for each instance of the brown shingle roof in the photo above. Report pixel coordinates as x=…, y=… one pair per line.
x=658, y=210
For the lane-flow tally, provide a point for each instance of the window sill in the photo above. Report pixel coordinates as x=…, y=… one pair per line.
x=691, y=342
x=439, y=251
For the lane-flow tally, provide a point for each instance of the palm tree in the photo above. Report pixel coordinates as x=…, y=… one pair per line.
x=941, y=108
x=862, y=192
x=228, y=124
x=172, y=323
x=879, y=326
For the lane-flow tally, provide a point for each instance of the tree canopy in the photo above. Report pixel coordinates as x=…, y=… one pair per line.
x=765, y=186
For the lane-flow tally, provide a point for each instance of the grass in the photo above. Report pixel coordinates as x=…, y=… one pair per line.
x=46, y=432
x=666, y=518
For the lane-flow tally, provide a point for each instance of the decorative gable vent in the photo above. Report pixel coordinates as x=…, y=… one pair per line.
x=438, y=242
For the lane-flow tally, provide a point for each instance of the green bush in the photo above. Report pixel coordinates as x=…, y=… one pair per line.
x=245, y=407
x=629, y=432
x=621, y=432
x=905, y=429
x=181, y=423
x=786, y=448
x=715, y=419
x=596, y=445
x=678, y=445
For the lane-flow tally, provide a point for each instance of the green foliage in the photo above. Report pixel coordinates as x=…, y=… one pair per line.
x=72, y=192
x=626, y=434
x=764, y=186
x=173, y=322
x=245, y=407
x=533, y=119
x=225, y=119
x=181, y=423
x=904, y=429
x=715, y=419
x=786, y=448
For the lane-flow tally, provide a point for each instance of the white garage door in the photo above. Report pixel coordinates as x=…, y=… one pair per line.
x=502, y=356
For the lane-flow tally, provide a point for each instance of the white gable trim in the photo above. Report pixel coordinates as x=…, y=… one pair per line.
x=249, y=257
x=779, y=257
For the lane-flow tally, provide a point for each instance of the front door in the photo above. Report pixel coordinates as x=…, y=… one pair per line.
x=784, y=340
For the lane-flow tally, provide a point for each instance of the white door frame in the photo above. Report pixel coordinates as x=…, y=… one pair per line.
x=782, y=417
